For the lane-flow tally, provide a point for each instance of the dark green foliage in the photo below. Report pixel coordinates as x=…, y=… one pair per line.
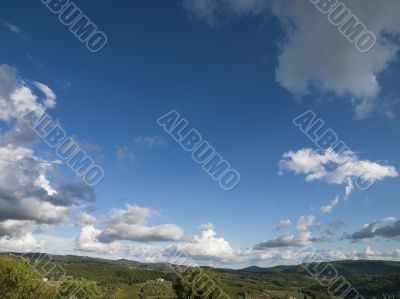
x=345, y=268
x=372, y=286
x=79, y=289
x=157, y=289
x=196, y=283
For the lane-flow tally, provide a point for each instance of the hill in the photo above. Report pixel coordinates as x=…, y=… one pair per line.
x=129, y=279
x=347, y=268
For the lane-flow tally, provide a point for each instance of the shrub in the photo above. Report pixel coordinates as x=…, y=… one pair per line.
x=19, y=281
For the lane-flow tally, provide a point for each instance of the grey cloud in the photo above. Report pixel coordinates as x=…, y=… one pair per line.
x=131, y=224
x=14, y=228
x=26, y=193
x=21, y=135
x=375, y=229
x=78, y=191
x=299, y=240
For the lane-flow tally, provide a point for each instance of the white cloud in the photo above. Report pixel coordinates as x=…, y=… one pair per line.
x=135, y=232
x=25, y=193
x=283, y=223
x=206, y=227
x=50, y=100
x=349, y=188
x=302, y=239
x=123, y=153
x=44, y=183
x=328, y=209
x=25, y=243
x=87, y=219
x=28, y=197
x=16, y=98
x=371, y=254
x=202, y=249
x=131, y=225
x=314, y=55
x=14, y=227
x=390, y=219
x=305, y=222
x=209, y=249
x=335, y=168
x=88, y=240
x=207, y=245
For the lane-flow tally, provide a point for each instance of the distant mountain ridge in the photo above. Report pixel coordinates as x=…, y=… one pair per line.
x=346, y=268
x=76, y=259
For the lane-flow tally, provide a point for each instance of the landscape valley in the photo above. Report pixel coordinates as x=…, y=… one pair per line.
x=35, y=275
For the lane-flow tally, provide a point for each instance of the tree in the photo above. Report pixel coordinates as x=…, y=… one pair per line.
x=19, y=281
x=197, y=283
x=79, y=289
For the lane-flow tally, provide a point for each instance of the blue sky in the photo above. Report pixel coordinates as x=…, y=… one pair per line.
x=240, y=76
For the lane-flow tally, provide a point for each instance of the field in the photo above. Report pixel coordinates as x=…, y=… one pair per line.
x=150, y=289
x=131, y=292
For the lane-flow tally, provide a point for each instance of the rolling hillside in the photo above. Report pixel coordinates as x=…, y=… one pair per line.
x=345, y=268
x=124, y=278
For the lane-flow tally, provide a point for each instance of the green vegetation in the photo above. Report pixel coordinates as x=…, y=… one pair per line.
x=80, y=277
x=157, y=289
x=131, y=292
x=197, y=283
x=19, y=281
